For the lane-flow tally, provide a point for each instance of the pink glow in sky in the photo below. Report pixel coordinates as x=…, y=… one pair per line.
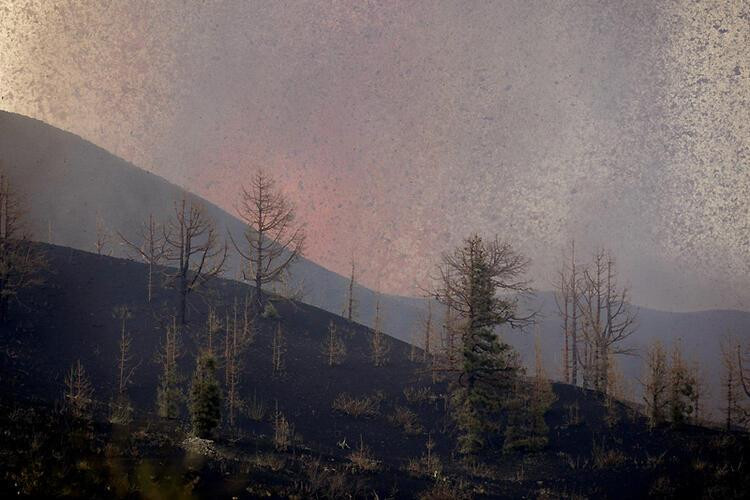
x=399, y=127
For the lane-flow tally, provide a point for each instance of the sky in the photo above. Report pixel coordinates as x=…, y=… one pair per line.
x=398, y=128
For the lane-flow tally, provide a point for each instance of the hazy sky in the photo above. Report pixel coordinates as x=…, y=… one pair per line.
x=399, y=127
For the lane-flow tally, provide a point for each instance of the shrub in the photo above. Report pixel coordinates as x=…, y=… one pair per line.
x=407, y=420
x=269, y=311
x=368, y=406
x=283, y=432
x=362, y=458
x=428, y=465
x=256, y=408
x=418, y=395
x=603, y=459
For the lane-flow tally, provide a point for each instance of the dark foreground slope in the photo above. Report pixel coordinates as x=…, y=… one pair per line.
x=593, y=451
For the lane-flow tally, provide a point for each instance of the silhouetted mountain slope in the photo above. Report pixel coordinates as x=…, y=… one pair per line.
x=72, y=185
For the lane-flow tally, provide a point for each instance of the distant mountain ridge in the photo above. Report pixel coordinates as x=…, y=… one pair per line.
x=76, y=185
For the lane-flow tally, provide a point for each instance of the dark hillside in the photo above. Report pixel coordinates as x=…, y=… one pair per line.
x=77, y=186
x=594, y=450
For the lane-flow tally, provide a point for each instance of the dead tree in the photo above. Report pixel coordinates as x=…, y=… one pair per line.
x=213, y=327
x=121, y=408
x=351, y=301
x=152, y=249
x=567, y=300
x=608, y=319
x=656, y=384
x=380, y=346
x=278, y=349
x=333, y=347
x=20, y=262
x=744, y=379
x=427, y=333
x=735, y=412
x=101, y=244
x=194, y=247
x=272, y=240
x=168, y=394
x=78, y=392
x=235, y=341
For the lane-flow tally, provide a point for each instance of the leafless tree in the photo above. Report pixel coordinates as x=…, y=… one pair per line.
x=278, y=349
x=124, y=370
x=20, y=261
x=744, y=379
x=380, y=346
x=102, y=242
x=273, y=241
x=78, y=392
x=121, y=407
x=213, y=327
x=235, y=341
x=351, y=302
x=656, y=384
x=333, y=347
x=168, y=393
x=193, y=246
x=567, y=298
x=427, y=332
x=607, y=319
x=736, y=413
x=152, y=249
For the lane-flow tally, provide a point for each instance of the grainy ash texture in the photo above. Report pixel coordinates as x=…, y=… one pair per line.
x=398, y=127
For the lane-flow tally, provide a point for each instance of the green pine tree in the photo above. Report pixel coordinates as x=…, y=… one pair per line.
x=487, y=368
x=205, y=397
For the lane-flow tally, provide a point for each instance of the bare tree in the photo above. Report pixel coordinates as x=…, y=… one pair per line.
x=333, y=347
x=121, y=408
x=20, y=261
x=278, y=349
x=735, y=412
x=168, y=393
x=272, y=240
x=427, y=332
x=152, y=249
x=78, y=392
x=193, y=245
x=351, y=301
x=656, y=384
x=568, y=301
x=102, y=242
x=235, y=341
x=607, y=319
x=380, y=346
x=744, y=379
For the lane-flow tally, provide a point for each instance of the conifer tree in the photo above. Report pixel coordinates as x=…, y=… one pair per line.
x=205, y=396
x=470, y=281
x=682, y=389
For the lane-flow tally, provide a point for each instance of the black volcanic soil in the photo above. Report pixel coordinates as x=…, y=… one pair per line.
x=596, y=454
